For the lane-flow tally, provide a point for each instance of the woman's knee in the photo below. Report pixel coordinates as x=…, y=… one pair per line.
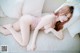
x=16, y=26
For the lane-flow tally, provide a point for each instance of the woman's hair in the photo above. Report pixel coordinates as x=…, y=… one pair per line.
x=59, y=25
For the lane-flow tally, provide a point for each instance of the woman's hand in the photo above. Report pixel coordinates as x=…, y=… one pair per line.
x=58, y=34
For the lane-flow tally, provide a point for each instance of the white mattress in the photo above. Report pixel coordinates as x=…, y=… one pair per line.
x=47, y=43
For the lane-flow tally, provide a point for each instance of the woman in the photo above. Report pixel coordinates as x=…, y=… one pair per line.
x=28, y=22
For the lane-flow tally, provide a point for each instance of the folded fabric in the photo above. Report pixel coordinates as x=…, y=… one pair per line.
x=12, y=8
x=74, y=29
x=2, y=13
x=33, y=7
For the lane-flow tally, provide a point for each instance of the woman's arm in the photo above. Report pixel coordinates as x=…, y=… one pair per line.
x=58, y=34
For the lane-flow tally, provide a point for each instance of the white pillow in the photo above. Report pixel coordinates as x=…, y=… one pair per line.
x=12, y=8
x=75, y=28
x=2, y=13
x=33, y=7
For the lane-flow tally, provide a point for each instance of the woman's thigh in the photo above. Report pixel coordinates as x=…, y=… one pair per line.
x=26, y=19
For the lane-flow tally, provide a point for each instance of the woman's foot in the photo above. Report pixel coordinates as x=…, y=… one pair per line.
x=31, y=47
x=8, y=26
x=4, y=31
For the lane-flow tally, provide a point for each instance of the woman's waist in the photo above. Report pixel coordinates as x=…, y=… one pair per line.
x=35, y=23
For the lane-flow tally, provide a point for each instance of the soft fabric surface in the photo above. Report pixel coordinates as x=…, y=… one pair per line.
x=7, y=20
x=12, y=8
x=2, y=13
x=45, y=43
x=33, y=7
x=75, y=28
x=52, y=5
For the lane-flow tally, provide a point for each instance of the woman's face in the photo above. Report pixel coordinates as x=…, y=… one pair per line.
x=63, y=18
x=62, y=12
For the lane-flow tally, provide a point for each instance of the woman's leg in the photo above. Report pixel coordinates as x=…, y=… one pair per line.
x=25, y=23
x=15, y=34
x=41, y=24
x=22, y=38
x=4, y=31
